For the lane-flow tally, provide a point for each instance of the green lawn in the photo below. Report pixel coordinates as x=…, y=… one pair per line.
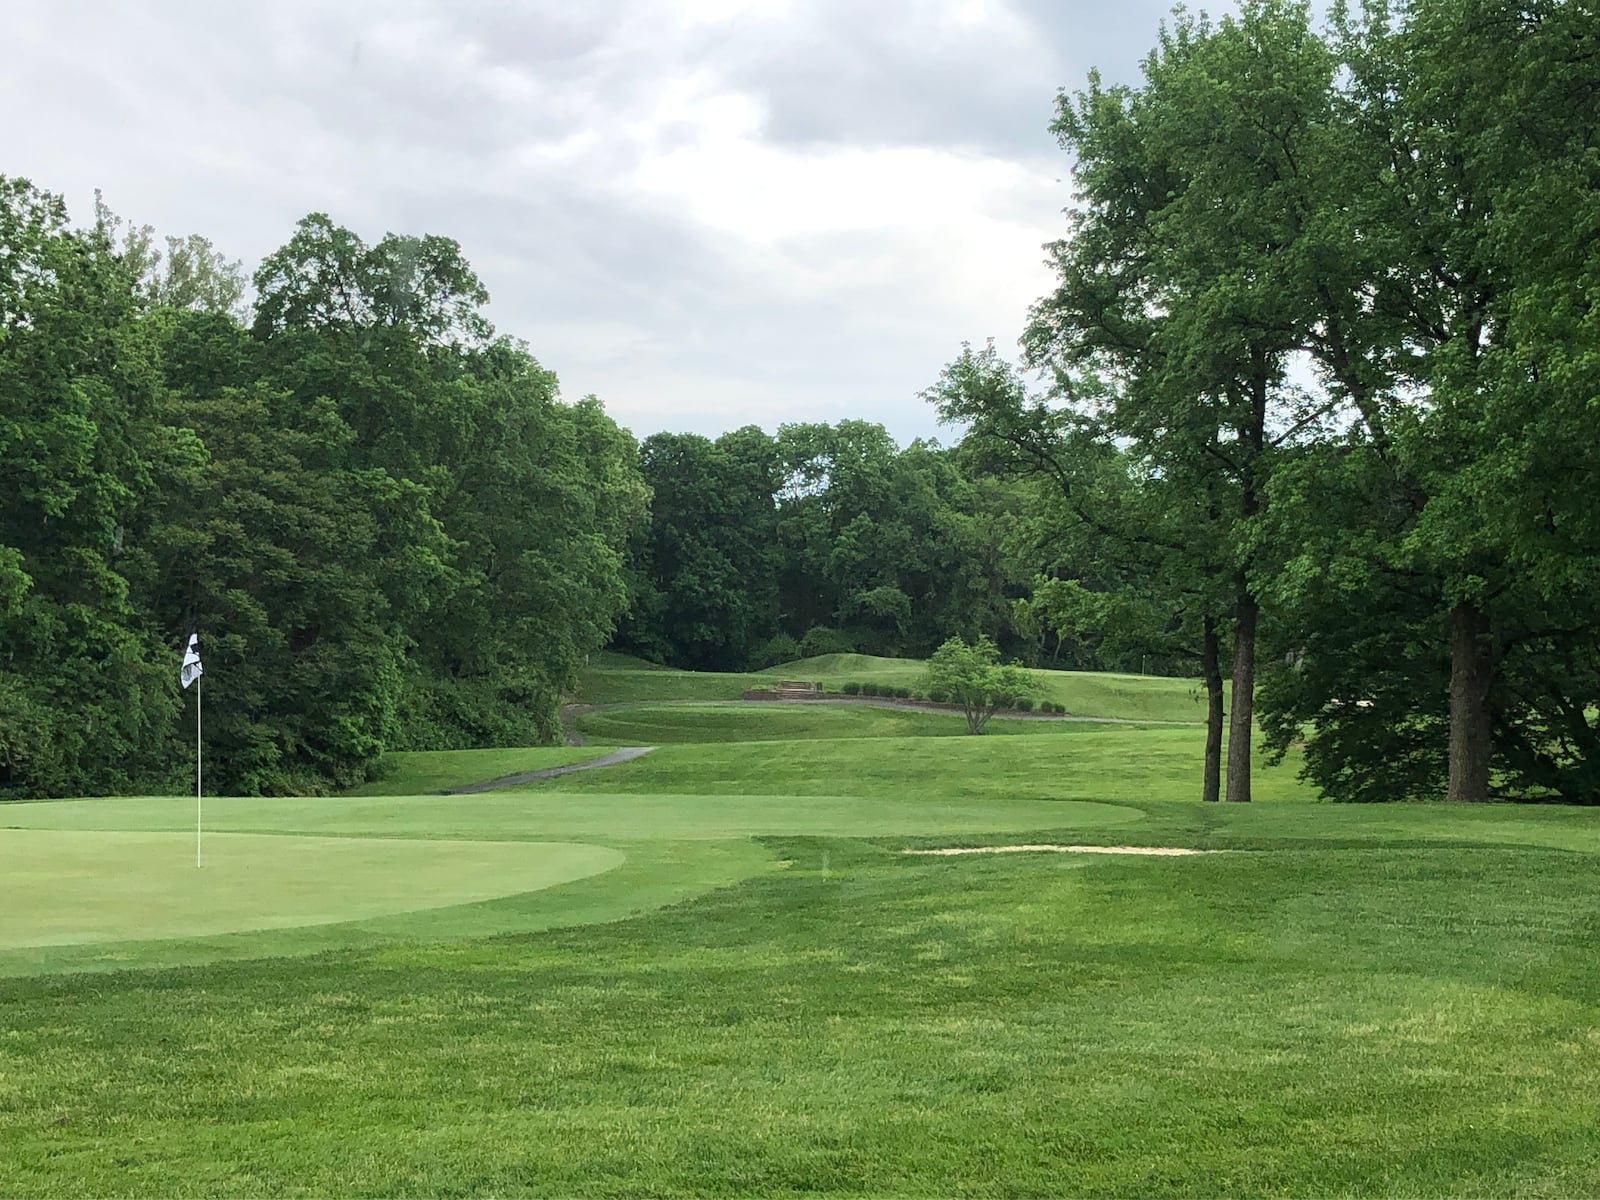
x=614, y=678
x=758, y=994
x=649, y=725
x=611, y=678
x=1062, y=760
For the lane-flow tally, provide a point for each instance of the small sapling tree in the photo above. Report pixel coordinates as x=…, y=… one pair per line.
x=974, y=677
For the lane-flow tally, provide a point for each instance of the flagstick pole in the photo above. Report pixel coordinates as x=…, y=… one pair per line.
x=197, y=772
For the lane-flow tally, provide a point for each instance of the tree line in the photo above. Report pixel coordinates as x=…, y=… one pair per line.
x=1314, y=423
x=385, y=524
x=1320, y=368
x=387, y=527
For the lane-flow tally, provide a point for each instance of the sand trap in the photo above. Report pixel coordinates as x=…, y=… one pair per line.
x=1167, y=851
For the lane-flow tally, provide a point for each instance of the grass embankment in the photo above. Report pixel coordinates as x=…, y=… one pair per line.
x=419, y=772
x=1048, y=760
x=767, y=997
x=647, y=724
x=617, y=678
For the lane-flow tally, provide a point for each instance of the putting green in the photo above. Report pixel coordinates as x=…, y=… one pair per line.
x=99, y=886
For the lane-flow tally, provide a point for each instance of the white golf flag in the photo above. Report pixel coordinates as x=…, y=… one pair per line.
x=191, y=662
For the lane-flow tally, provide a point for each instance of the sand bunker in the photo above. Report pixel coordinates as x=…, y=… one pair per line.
x=1171, y=851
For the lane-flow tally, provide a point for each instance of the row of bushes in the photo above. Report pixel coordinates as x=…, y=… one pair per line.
x=1024, y=704
x=884, y=690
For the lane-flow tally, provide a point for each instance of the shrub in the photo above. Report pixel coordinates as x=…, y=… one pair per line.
x=902, y=693
x=938, y=696
x=780, y=648
x=1022, y=704
x=819, y=640
x=869, y=689
x=977, y=679
x=852, y=689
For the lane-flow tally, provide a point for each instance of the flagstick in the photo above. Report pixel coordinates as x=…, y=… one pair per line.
x=197, y=771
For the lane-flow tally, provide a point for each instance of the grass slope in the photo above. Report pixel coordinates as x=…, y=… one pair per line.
x=419, y=772
x=650, y=725
x=616, y=678
x=1085, y=693
x=1065, y=760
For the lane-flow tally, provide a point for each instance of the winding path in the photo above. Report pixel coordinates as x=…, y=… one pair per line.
x=625, y=754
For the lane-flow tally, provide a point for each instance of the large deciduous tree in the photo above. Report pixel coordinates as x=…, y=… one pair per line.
x=83, y=706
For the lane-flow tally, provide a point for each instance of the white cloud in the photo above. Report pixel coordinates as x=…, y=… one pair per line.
x=705, y=211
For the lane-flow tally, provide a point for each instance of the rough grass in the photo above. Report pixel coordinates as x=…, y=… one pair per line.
x=1085, y=693
x=418, y=772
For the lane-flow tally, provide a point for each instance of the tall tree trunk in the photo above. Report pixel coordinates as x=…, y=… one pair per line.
x=1241, y=715
x=1471, y=723
x=1242, y=711
x=1211, y=669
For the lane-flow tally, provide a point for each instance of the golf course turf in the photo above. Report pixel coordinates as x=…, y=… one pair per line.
x=752, y=990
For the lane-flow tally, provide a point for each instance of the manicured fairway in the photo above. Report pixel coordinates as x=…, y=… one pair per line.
x=764, y=996
x=654, y=724
x=87, y=886
x=1326, y=1021
x=1054, y=761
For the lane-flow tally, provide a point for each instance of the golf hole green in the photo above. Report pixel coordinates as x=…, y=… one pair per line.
x=74, y=887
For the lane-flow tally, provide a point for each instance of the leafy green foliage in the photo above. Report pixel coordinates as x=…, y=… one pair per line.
x=388, y=528
x=705, y=594
x=820, y=640
x=973, y=676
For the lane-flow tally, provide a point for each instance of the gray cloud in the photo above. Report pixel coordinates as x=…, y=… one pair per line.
x=769, y=212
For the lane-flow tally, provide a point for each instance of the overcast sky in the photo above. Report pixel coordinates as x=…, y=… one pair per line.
x=707, y=212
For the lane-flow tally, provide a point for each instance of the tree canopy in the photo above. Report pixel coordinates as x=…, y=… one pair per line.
x=386, y=524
